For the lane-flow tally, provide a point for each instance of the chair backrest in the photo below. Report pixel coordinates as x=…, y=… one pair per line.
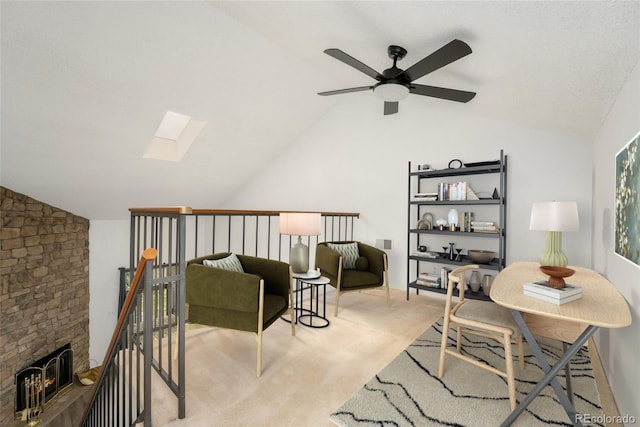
x=457, y=279
x=377, y=258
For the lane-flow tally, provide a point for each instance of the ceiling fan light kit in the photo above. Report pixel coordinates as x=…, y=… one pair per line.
x=391, y=92
x=395, y=84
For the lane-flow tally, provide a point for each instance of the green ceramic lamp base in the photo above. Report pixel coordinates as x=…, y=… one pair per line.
x=553, y=254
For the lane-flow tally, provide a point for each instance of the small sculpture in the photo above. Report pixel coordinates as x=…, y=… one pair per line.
x=426, y=223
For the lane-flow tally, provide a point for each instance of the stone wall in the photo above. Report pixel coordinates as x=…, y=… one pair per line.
x=44, y=297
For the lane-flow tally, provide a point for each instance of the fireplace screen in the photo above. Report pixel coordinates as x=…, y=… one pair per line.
x=42, y=381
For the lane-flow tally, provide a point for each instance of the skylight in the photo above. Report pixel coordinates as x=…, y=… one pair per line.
x=174, y=136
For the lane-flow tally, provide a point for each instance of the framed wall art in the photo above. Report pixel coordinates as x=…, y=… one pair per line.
x=627, y=222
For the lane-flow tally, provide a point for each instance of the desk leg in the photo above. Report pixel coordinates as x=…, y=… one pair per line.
x=567, y=374
x=551, y=372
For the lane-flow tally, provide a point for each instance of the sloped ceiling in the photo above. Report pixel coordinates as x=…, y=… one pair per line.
x=85, y=84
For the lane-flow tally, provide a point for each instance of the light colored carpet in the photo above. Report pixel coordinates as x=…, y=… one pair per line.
x=408, y=391
x=306, y=377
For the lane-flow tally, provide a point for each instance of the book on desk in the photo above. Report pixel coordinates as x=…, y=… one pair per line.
x=558, y=296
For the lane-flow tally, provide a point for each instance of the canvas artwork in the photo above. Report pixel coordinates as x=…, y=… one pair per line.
x=627, y=230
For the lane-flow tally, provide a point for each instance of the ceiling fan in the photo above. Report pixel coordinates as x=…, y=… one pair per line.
x=395, y=84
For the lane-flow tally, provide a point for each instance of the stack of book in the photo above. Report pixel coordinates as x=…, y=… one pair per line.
x=484, y=227
x=427, y=197
x=430, y=280
x=426, y=254
x=558, y=296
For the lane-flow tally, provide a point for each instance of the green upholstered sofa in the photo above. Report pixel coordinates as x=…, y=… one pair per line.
x=371, y=269
x=249, y=301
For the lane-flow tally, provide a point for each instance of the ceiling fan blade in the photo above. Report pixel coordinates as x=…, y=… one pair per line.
x=442, y=92
x=390, y=108
x=448, y=53
x=350, y=60
x=339, y=91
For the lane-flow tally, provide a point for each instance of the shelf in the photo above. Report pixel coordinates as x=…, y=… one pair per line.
x=494, y=265
x=456, y=202
x=474, y=170
x=468, y=294
x=424, y=182
x=455, y=233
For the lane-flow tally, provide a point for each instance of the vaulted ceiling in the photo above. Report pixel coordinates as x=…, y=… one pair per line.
x=85, y=84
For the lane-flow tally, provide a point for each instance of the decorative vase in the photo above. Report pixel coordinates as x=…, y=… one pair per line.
x=453, y=217
x=474, y=281
x=487, y=281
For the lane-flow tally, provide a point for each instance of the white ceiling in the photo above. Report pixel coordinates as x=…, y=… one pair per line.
x=85, y=84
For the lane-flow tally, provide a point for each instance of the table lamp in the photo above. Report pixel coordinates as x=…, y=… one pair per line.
x=554, y=218
x=299, y=224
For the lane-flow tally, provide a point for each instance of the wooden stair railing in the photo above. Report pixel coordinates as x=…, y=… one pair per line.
x=116, y=394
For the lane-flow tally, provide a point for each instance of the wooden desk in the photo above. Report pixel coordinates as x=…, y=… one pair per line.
x=601, y=305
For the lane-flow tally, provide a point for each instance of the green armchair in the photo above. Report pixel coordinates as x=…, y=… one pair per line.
x=249, y=301
x=368, y=270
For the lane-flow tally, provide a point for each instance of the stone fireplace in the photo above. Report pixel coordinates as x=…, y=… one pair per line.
x=44, y=288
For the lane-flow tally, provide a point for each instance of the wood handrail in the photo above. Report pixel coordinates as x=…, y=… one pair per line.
x=180, y=210
x=149, y=254
x=187, y=210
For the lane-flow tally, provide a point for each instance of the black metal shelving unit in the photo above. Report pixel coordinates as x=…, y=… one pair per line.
x=416, y=237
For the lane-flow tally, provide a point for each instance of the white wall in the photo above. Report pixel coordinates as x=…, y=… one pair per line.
x=618, y=348
x=108, y=250
x=355, y=159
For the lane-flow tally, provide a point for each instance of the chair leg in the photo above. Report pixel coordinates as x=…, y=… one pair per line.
x=443, y=346
x=292, y=307
x=508, y=358
x=459, y=339
x=260, y=329
x=259, y=356
x=386, y=280
x=335, y=312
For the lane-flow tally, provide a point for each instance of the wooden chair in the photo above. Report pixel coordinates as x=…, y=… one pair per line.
x=481, y=318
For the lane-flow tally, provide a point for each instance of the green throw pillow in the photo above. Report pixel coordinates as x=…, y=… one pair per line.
x=231, y=263
x=349, y=252
x=362, y=264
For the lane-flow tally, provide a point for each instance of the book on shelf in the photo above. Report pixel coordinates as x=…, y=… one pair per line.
x=429, y=194
x=426, y=197
x=483, y=223
x=444, y=277
x=426, y=254
x=427, y=279
x=466, y=221
x=558, y=296
x=484, y=227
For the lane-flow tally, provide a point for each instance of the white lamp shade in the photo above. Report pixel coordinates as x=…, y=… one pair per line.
x=554, y=216
x=300, y=223
x=391, y=92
